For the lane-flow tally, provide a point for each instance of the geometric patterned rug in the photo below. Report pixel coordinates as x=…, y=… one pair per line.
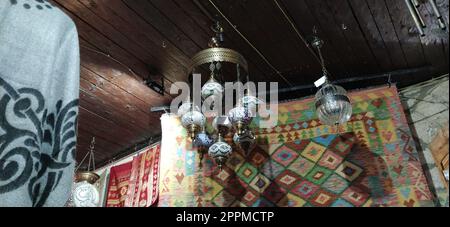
x=371, y=161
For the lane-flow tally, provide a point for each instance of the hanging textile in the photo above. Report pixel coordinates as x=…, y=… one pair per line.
x=371, y=161
x=143, y=186
x=119, y=180
x=135, y=184
x=178, y=165
x=39, y=92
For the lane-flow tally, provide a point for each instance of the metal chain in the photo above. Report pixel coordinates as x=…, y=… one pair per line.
x=322, y=61
x=91, y=156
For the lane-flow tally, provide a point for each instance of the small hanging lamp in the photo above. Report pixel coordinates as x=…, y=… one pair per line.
x=333, y=106
x=213, y=88
x=241, y=116
x=193, y=121
x=249, y=100
x=186, y=107
x=84, y=192
x=203, y=142
x=246, y=141
x=221, y=150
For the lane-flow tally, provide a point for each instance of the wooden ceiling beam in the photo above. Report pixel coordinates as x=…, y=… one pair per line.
x=113, y=107
x=117, y=75
x=107, y=128
x=109, y=51
x=117, y=27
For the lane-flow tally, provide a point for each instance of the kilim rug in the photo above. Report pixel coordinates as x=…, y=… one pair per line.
x=371, y=161
x=135, y=184
x=119, y=180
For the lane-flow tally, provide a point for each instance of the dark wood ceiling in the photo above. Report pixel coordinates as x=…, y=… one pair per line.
x=125, y=41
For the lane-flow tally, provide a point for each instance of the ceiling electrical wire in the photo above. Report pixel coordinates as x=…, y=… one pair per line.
x=300, y=36
x=278, y=72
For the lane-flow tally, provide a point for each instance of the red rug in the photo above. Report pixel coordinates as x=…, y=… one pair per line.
x=135, y=184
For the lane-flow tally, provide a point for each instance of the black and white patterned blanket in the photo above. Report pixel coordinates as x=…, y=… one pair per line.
x=39, y=90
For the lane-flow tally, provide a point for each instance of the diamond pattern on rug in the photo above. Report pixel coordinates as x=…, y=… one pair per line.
x=247, y=172
x=349, y=171
x=323, y=199
x=236, y=161
x=301, y=166
x=250, y=197
x=314, y=151
x=224, y=176
x=271, y=169
x=288, y=179
x=336, y=184
x=258, y=157
x=331, y=160
x=305, y=189
x=285, y=155
x=355, y=195
x=318, y=175
x=343, y=144
x=291, y=200
x=260, y=183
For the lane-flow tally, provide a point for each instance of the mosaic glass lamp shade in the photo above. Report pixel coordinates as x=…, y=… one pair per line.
x=240, y=117
x=212, y=88
x=250, y=102
x=220, y=152
x=333, y=105
x=203, y=142
x=185, y=108
x=246, y=141
x=85, y=194
x=193, y=121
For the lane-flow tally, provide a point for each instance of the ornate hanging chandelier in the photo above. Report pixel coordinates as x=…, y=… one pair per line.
x=238, y=118
x=333, y=106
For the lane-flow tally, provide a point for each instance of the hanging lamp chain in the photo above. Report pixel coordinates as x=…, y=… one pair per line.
x=324, y=68
x=91, y=157
x=318, y=44
x=218, y=38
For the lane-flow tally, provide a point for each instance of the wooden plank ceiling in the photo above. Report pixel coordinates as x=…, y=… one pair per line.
x=125, y=41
